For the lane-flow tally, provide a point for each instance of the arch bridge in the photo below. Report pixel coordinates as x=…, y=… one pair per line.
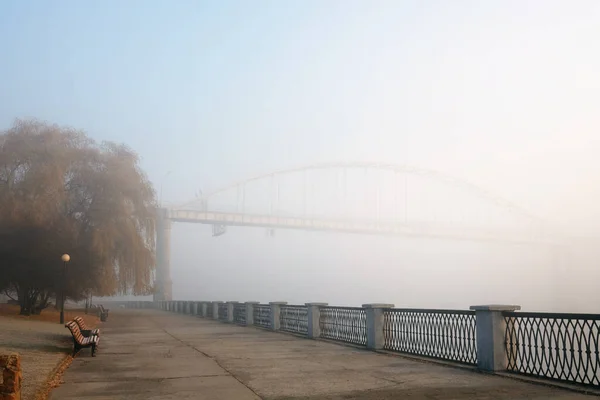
x=354, y=197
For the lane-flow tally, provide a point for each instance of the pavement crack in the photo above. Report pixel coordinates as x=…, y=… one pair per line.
x=212, y=358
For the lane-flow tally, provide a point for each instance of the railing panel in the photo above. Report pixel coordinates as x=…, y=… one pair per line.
x=223, y=311
x=444, y=334
x=346, y=324
x=294, y=319
x=562, y=347
x=262, y=315
x=239, y=314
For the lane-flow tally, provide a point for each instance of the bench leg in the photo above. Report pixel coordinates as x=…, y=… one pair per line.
x=94, y=350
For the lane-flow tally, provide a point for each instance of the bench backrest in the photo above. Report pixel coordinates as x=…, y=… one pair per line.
x=75, y=331
x=81, y=323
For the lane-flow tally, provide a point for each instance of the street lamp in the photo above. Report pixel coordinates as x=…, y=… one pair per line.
x=65, y=259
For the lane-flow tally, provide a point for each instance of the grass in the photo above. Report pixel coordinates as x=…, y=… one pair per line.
x=50, y=314
x=43, y=344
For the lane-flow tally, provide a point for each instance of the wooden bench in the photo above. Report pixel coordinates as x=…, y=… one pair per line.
x=85, y=331
x=103, y=313
x=80, y=341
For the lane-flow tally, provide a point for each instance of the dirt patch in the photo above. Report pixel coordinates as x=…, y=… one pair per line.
x=43, y=344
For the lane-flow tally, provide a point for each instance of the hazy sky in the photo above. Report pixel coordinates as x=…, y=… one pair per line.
x=503, y=93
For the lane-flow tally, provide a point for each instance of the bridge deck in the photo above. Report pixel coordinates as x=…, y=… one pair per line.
x=148, y=354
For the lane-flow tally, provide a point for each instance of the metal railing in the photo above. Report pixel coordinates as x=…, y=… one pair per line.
x=345, y=324
x=222, y=311
x=562, y=347
x=444, y=334
x=262, y=315
x=294, y=319
x=209, y=310
x=239, y=314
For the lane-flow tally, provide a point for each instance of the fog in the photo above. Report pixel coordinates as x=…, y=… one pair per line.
x=502, y=94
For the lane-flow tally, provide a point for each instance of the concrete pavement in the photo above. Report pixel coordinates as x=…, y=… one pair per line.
x=148, y=354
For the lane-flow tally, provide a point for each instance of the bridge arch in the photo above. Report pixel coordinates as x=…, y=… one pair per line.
x=205, y=210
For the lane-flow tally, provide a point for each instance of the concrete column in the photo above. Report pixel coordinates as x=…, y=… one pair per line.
x=203, y=309
x=314, y=319
x=490, y=336
x=275, y=313
x=188, y=307
x=215, y=305
x=163, y=283
x=230, y=308
x=374, y=312
x=250, y=312
x=195, y=308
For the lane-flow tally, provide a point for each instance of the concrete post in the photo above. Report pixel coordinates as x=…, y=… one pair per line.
x=195, y=308
x=250, y=312
x=203, y=309
x=490, y=336
x=215, y=305
x=375, y=339
x=314, y=319
x=275, y=313
x=230, y=308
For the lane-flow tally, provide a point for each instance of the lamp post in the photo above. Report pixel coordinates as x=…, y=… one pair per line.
x=65, y=259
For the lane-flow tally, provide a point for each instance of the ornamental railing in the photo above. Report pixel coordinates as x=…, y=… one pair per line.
x=294, y=319
x=223, y=314
x=563, y=347
x=262, y=315
x=444, y=334
x=239, y=314
x=346, y=324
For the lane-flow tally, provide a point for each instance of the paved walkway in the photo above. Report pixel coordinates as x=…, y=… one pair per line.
x=148, y=354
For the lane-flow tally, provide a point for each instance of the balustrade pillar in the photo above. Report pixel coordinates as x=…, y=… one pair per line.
x=230, y=309
x=491, y=336
x=375, y=338
x=215, y=306
x=275, y=314
x=314, y=319
x=250, y=312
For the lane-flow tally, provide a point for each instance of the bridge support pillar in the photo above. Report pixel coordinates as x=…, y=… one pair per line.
x=275, y=314
x=490, y=336
x=314, y=317
x=163, y=285
x=375, y=338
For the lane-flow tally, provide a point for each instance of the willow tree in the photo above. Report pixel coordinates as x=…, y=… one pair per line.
x=62, y=192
